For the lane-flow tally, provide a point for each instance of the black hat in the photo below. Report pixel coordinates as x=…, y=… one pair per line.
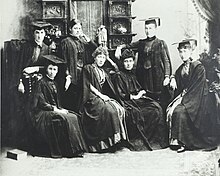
x=73, y=22
x=38, y=25
x=187, y=43
x=127, y=53
x=152, y=20
x=52, y=59
x=100, y=50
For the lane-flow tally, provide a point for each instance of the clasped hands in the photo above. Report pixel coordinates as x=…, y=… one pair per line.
x=63, y=111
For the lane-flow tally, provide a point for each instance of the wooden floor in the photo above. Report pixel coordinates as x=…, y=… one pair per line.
x=122, y=163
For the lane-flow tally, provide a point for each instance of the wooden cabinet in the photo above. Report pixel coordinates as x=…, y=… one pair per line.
x=120, y=22
x=56, y=13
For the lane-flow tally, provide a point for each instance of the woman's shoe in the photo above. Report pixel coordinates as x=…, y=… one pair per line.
x=175, y=147
x=78, y=155
x=181, y=149
x=174, y=144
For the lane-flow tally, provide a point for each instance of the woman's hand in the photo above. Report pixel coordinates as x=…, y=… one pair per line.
x=142, y=92
x=139, y=95
x=104, y=97
x=85, y=37
x=173, y=84
x=166, y=81
x=63, y=111
x=68, y=82
x=118, y=52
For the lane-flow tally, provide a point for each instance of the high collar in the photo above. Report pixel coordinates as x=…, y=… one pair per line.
x=151, y=38
x=48, y=78
x=74, y=37
x=187, y=63
x=128, y=71
x=38, y=44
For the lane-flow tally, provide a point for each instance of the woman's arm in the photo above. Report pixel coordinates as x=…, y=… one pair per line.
x=99, y=94
x=120, y=47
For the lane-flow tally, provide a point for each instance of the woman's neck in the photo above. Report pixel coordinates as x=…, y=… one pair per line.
x=49, y=77
x=40, y=43
x=151, y=38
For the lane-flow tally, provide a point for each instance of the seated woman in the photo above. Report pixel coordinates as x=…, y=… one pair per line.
x=186, y=114
x=102, y=115
x=145, y=123
x=45, y=108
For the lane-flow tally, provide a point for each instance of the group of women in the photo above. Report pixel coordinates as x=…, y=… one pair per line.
x=120, y=110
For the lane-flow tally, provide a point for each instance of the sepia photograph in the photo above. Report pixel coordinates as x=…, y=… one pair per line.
x=110, y=88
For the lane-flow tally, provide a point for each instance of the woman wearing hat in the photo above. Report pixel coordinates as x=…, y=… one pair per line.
x=153, y=69
x=64, y=140
x=144, y=118
x=31, y=54
x=102, y=115
x=27, y=70
x=186, y=114
x=76, y=50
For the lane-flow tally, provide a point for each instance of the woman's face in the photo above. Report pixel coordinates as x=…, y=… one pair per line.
x=185, y=54
x=128, y=63
x=100, y=60
x=52, y=71
x=76, y=30
x=150, y=30
x=39, y=35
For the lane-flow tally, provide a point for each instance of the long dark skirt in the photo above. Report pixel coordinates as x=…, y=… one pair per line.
x=146, y=126
x=62, y=132
x=102, y=123
x=184, y=130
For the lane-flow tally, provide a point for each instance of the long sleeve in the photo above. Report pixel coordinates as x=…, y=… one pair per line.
x=166, y=59
x=69, y=55
x=133, y=45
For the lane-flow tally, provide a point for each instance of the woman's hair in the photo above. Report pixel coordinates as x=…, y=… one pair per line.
x=100, y=50
x=73, y=22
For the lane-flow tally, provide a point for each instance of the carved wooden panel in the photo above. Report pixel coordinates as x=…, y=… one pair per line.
x=120, y=26
x=53, y=10
x=90, y=13
x=118, y=40
x=119, y=8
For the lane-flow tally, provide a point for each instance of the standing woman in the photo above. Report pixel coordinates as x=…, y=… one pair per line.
x=102, y=115
x=187, y=112
x=45, y=108
x=76, y=50
x=153, y=69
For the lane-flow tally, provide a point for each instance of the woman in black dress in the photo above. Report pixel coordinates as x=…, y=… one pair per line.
x=45, y=109
x=77, y=51
x=187, y=113
x=102, y=115
x=144, y=117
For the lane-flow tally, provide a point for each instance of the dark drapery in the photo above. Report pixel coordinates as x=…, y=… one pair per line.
x=208, y=7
